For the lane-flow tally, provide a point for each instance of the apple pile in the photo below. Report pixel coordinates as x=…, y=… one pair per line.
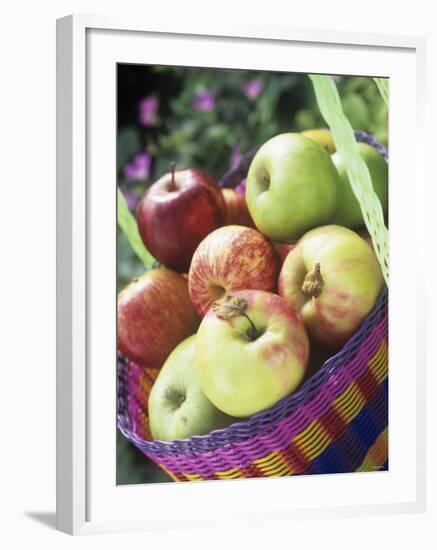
x=251, y=285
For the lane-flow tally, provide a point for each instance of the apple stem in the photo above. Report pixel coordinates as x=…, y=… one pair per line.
x=234, y=306
x=172, y=169
x=313, y=282
x=253, y=332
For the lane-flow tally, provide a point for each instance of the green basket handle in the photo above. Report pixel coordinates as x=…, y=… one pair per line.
x=345, y=141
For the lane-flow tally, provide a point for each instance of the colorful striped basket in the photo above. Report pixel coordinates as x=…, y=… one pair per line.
x=336, y=422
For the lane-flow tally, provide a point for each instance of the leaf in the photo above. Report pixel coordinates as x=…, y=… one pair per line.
x=382, y=84
x=330, y=106
x=230, y=306
x=129, y=227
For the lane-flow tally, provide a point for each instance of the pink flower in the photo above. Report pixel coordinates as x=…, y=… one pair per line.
x=205, y=102
x=252, y=88
x=139, y=168
x=148, y=108
x=241, y=187
x=132, y=199
x=235, y=156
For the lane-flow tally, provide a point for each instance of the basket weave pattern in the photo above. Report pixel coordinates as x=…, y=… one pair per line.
x=336, y=422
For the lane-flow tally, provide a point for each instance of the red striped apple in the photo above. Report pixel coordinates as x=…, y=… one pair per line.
x=229, y=259
x=176, y=213
x=154, y=314
x=251, y=351
x=333, y=279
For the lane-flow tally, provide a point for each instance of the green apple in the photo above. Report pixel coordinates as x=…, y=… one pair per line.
x=291, y=187
x=251, y=351
x=323, y=137
x=178, y=408
x=348, y=211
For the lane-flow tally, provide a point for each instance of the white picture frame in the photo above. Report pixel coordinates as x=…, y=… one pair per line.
x=86, y=500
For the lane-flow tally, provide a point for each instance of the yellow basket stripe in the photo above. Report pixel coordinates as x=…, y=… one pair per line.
x=267, y=460
x=349, y=403
x=279, y=471
x=273, y=464
x=313, y=440
x=193, y=477
x=233, y=473
x=378, y=364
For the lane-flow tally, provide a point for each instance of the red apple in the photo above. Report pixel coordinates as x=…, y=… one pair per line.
x=154, y=314
x=283, y=249
x=236, y=208
x=229, y=259
x=176, y=213
x=333, y=279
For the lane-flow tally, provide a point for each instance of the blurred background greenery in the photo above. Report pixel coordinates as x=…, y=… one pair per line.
x=207, y=118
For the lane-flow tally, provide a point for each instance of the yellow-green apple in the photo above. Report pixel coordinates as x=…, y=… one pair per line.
x=348, y=212
x=333, y=279
x=323, y=137
x=236, y=208
x=177, y=212
x=154, y=314
x=229, y=259
x=178, y=407
x=251, y=351
x=366, y=236
x=291, y=187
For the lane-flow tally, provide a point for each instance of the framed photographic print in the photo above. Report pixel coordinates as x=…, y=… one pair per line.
x=235, y=339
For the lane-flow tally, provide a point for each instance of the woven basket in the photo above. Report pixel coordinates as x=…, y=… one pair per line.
x=336, y=422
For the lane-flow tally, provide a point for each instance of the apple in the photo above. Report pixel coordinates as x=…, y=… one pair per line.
x=251, y=351
x=291, y=187
x=323, y=137
x=366, y=236
x=154, y=314
x=333, y=279
x=231, y=258
x=176, y=213
x=283, y=249
x=236, y=208
x=178, y=407
x=348, y=212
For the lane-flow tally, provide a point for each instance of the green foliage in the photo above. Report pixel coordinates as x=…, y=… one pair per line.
x=128, y=143
x=134, y=467
x=382, y=84
x=362, y=104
